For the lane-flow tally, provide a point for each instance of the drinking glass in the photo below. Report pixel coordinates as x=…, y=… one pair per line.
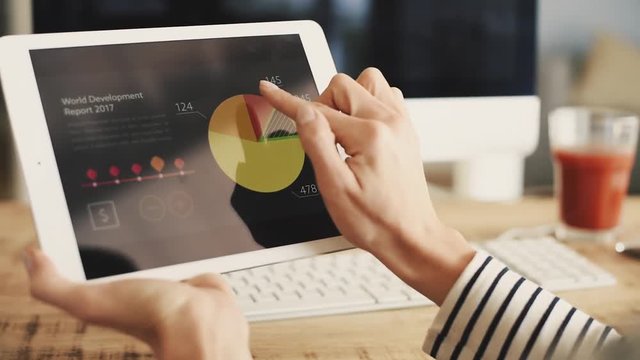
x=593, y=151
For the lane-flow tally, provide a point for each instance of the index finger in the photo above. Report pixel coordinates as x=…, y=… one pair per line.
x=281, y=100
x=340, y=124
x=316, y=135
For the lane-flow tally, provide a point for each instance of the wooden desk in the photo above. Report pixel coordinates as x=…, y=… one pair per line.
x=31, y=330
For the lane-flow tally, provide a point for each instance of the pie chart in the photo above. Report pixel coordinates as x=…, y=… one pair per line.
x=256, y=146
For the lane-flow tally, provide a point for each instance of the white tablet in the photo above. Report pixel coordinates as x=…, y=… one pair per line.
x=149, y=153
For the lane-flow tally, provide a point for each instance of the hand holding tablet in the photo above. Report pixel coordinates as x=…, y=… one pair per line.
x=194, y=319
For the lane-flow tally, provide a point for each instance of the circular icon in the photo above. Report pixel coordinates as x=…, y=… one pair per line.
x=180, y=204
x=152, y=208
x=256, y=146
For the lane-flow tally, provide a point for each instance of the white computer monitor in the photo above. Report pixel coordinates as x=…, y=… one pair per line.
x=468, y=70
x=486, y=138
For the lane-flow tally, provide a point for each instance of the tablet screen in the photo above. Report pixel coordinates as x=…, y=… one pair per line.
x=167, y=154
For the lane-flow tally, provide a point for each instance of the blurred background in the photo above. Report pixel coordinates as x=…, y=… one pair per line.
x=588, y=52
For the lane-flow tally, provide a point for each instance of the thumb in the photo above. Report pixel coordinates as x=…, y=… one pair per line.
x=85, y=302
x=111, y=304
x=46, y=283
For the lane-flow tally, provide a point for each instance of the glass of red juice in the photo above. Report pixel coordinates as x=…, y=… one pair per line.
x=593, y=153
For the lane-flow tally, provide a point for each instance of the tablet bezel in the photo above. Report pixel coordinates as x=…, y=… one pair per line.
x=51, y=216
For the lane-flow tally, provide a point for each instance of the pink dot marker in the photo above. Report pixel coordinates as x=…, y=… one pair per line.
x=179, y=163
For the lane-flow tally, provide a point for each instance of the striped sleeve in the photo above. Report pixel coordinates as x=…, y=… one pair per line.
x=494, y=313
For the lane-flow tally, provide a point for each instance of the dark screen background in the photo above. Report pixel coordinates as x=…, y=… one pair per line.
x=199, y=213
x=427, y=48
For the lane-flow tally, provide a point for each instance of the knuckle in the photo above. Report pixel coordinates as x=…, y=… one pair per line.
x=377, y=132
x=371, y=74
x=212, y=279
x=192, y=309
x=396, y=119
x=316, y=132
x=397, y=91
x=216, y=281
x=340, y=80
x=226, y=288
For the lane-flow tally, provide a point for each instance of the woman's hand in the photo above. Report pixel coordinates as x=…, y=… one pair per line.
x=378, y=197
x=194, y=319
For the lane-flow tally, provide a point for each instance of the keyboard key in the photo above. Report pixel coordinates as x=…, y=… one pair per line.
x=265, y=298
x=288, y=296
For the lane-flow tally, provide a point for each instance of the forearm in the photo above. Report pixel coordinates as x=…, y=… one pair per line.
x=494, y=312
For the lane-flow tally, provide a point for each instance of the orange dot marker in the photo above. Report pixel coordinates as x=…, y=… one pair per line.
x=157, y=163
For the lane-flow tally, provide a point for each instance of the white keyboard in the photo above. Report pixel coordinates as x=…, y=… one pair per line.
x=549, y=263
x=354, y=281
x=344, y=282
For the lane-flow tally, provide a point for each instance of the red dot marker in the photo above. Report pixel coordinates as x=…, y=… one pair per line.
x=114, y=171
x=92, y=174
x=136, y=169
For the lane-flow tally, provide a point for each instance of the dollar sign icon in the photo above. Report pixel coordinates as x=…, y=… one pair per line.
x=104, y=217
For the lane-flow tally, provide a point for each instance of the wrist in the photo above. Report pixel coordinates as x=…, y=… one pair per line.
x=198, y=343
x=198, y=332
x=443, y=263
x=433, y=261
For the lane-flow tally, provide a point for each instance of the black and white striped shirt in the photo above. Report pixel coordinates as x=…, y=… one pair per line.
x=494, y=313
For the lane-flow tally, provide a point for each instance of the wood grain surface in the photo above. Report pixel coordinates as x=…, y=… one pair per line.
x=32, y=330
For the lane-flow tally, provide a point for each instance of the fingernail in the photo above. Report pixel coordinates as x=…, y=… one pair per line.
x=268, y=85
x=27, y=260
x=306, y=113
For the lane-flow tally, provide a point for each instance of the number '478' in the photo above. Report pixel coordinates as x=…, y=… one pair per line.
x=309, y=189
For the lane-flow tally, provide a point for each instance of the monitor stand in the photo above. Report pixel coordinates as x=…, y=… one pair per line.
x=486, y=138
